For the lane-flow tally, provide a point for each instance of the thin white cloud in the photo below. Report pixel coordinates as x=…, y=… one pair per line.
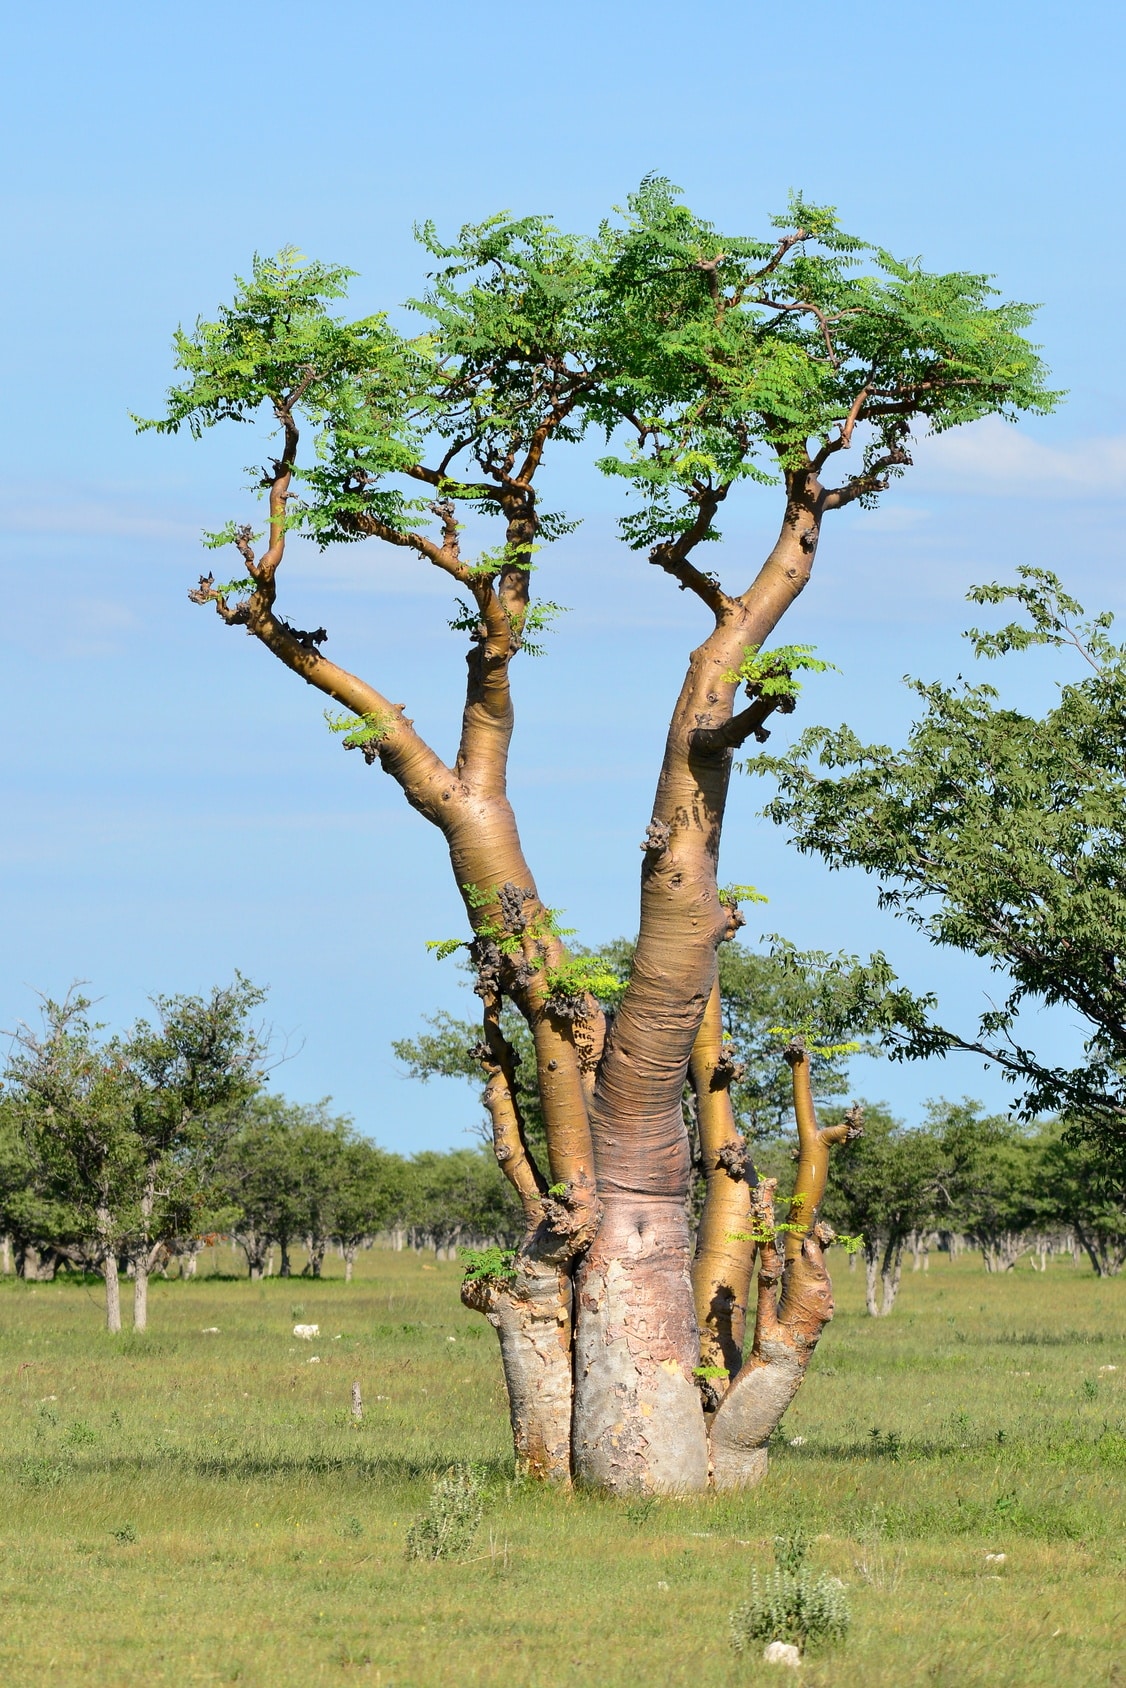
x=993, y=458
x=88, y=517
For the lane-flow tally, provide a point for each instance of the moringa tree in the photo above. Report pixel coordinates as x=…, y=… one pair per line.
x=705, y=362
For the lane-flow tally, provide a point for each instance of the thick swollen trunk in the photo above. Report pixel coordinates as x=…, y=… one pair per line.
x=638, y=1423
x=531, y=1314
x=313, y=1266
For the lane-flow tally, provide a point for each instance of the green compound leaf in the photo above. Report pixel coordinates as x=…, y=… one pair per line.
x=444, y=946
x=489, y=1265
x=360, y=729
x=771, y=673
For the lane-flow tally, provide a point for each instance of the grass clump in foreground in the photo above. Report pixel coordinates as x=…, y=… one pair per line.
x=271, y=1528
x=790, y=1604
x=446, y=1530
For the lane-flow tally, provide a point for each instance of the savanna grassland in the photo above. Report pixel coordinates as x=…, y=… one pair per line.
x=197, y=1506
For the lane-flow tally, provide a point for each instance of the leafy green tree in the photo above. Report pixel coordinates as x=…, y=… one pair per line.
x=264, y=1176
x=1076, y=1191
x=706, y=361
x=197, y=1067
x=458, y=1195
x=990, y=1178
x=123, y=1134
x=886, y=1184
x=370, y=1195
x=999, y=832
x=43, y=1233
x=73, y=1097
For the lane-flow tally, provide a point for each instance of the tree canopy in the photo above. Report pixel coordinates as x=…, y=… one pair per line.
x=998, y=832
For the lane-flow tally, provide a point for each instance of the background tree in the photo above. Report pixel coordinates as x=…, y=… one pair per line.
x=706, y=360
x=886, y=1184
x=73, y=1097
x=370, y=1195
x=122, y=1135
x=197, y=1069
x=263, y=1180
x=1075, y=1189
x=990, y=1177
x=41, y=1232
x=1000, y=833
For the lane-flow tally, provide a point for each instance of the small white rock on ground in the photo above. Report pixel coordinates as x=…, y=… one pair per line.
x=308, y=1332
x=781, y=1653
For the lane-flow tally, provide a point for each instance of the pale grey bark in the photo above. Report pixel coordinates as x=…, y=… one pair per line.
x=638, y=1427
x=531, y=1316
x=357, y=1402
x=113, y=1294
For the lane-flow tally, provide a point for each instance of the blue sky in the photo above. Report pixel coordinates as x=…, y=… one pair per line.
x=174, y=806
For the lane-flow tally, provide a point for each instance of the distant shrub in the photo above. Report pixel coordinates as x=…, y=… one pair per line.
x=447, y=1528
x=790, y=1603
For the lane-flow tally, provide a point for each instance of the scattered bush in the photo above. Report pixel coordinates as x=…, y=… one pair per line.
x=447, y=1528
x=790, y=1604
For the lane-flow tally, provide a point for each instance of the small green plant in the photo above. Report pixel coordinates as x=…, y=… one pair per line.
x=771, y=673
x=489, y=1265
x=1090, y=1388
x=360, y=730
x=639, y=1512
x=442, y=947
x=790, y=1604
x=581, y=974
x=352, y=1527
x=709, y=1371
x=125, y=1535
x=885, y=1444
x=39, y=1471
x=451, y=1520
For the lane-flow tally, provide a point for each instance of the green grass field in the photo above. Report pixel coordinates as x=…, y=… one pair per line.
x=195, y=1505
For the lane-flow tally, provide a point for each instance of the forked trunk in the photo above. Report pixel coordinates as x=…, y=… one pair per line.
x=890, y=1273
x=786, y=1329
